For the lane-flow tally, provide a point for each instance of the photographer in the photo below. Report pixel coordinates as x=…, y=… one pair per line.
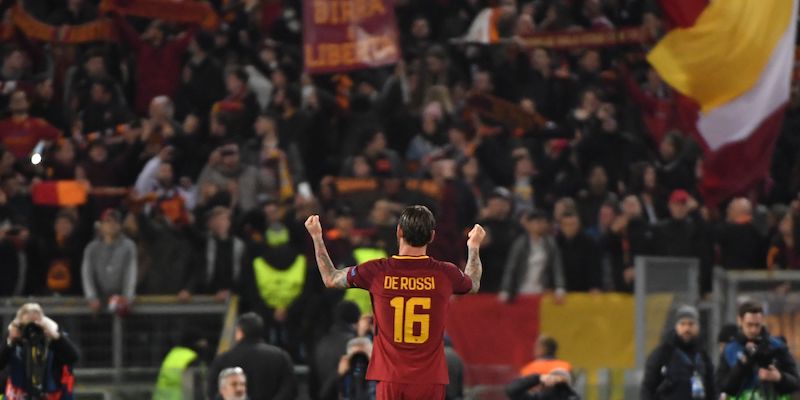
x=39, y=357
x=756, y=365
x=552, y=386
x=353, y=383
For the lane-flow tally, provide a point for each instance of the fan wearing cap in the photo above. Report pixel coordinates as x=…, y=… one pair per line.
x=109, y=263
x=685, y=234
x=679, y=368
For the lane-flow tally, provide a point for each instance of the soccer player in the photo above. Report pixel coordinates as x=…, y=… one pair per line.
x=410, y=293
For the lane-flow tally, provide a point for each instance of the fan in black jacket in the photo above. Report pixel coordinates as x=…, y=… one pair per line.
x=672, y=366
x=269, y=370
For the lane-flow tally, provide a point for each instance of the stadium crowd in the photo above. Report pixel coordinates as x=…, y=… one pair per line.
x=204, y=151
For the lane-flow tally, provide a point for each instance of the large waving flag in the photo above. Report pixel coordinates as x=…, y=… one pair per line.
x=735, y=62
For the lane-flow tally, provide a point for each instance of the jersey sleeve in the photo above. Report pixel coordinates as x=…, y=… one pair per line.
x=362, y=275
x=458, y=279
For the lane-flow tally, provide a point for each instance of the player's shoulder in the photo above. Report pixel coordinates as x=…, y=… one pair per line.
x=372, y=266
x=446, y=266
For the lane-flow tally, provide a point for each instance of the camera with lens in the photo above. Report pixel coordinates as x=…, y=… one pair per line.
x=762, y=355
x=34, y=343
x=32, y=333
x=358, y=364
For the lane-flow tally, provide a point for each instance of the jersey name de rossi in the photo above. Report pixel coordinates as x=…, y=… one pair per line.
x=409, y=283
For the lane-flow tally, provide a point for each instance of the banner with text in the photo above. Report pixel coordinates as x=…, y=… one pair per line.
x=583, y=39
x=346, y=35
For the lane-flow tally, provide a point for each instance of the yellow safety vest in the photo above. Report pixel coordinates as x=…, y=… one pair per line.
x=360, y=296
x=170, y=377
x=279, y=288
x=277, y=237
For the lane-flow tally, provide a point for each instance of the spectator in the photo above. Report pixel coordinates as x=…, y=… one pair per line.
x=220, y=258
x=685, y=235
x=330, y=349
x=580, y=256
x=526, y=187
x=56, y=266
x=240, y=105
x=156, y=183
x=104, y=112
x=384, y=162
x=268, y=144
x=13, y=68
x=14, y=73
x=158, y=60
x=430, y=139
x=646, y=187
x=500, y=233
x=201, y=80
x=674, y=171
x=225, y=171
x=755, y=362
x=783, y=253
x=656, y=101
x=102, y=169
x=164, y=232
x=161, y=122
x=31, y=332
x=534, y=261
x=597, y=194
x=20, y=132
x=741, y=246
x=44, y=104
x=679, y=368
x=629, y=236
x=109, y=263
x=17, y=200
x=269, y=368
x=79, y=79
x=545, y=358
x=232, y=384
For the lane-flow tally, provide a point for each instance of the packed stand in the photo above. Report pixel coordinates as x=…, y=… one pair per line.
x=203, y=152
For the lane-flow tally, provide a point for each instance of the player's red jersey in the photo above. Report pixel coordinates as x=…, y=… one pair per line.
x=410, y=295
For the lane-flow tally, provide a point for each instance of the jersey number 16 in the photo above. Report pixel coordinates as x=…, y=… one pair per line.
x=405, y=316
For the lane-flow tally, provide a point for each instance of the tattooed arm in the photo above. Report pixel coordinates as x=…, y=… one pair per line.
x=331, y=277
x=474, y=268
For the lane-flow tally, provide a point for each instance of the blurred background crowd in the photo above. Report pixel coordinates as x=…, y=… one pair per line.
x=204, y=151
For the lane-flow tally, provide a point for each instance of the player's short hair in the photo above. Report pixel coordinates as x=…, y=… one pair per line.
x=750, y=307
x=417, y=224
x=550, y=345
x=251, y=325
